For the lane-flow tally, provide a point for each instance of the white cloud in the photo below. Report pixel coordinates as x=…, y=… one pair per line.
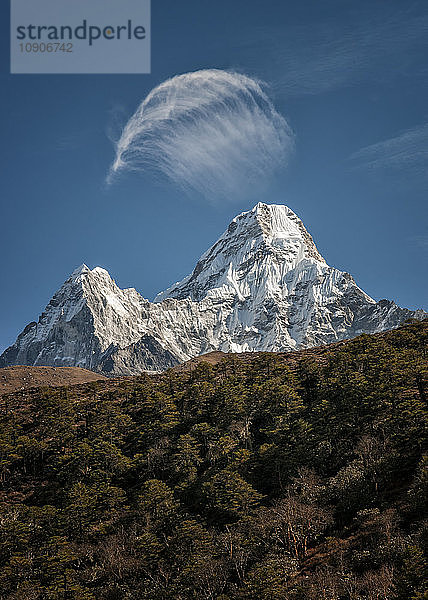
x=368, y=42
x=210, y=131
x=407, y=152
x=421, y=241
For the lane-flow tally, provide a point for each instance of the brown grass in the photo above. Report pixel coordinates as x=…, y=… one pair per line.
x=19, y=378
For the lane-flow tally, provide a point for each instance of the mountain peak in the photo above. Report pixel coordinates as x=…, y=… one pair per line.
x=262, y=286
x=279, y=222
x=80, y=271
x=261, y=245
x=97, y=274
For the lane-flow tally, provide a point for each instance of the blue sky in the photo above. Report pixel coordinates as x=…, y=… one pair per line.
x=351, y=79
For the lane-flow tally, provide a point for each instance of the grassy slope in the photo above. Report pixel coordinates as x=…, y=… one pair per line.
x=24, y=377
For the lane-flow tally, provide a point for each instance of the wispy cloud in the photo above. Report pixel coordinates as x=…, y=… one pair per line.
x=210, y=131
x=406, y=152
x=374, y=43
x=421, y=241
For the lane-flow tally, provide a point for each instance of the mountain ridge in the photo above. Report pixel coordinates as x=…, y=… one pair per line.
x=263, y=286
x=22, y=378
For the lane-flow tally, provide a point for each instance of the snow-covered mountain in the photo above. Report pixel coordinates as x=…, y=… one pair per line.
x=262, y=286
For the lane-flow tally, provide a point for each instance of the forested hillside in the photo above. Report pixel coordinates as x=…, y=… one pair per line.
x=292, y=476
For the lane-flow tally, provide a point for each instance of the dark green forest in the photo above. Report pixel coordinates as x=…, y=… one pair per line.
x=268, y=476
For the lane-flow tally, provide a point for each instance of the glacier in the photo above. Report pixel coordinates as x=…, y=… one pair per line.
x=263, y=286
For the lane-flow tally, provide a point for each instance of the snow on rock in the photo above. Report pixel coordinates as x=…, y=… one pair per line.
x=262, y=286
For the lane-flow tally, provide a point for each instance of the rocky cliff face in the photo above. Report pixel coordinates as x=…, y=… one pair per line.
x=262, y=286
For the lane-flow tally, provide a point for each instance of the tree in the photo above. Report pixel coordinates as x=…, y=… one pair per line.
x=228, y=493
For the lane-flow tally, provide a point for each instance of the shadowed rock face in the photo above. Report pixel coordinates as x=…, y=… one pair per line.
x=263, y=286
x=145, y=355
